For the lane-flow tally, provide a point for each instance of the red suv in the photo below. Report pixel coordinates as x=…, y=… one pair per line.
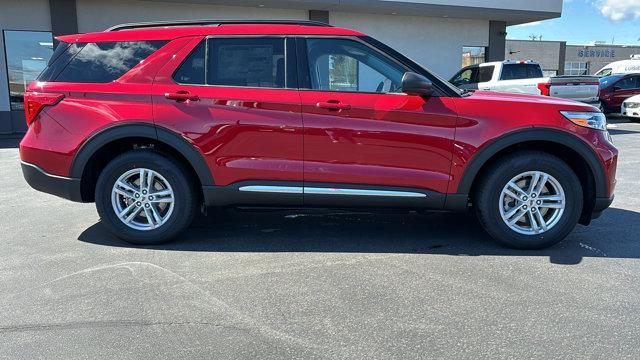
x=616, y=88
x=155, y=121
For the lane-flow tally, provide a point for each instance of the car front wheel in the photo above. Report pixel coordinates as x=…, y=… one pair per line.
x=529, y=200
x=145, y=198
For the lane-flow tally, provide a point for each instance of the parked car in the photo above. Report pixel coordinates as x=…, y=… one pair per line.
x=615, y=89
x=526, y=77
x=631, y=107
x=621, y=67
x=153, y=122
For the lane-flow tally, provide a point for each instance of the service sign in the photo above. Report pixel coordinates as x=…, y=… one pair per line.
x=597, y=53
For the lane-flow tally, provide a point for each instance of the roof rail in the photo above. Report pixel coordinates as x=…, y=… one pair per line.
x=205, y=22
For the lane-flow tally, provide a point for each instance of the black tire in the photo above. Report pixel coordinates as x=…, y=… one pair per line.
x=185, y=196
x=489, y=189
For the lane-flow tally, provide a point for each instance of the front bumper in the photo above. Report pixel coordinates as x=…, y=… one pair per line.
x=64, y=187
x=633, y=112
x=601, y=205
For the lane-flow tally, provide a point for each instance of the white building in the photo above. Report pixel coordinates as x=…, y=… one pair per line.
x=431, y=32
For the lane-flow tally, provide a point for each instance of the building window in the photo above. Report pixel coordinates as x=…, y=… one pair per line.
x=27, y=54
x=576, y=68
x=472, y=55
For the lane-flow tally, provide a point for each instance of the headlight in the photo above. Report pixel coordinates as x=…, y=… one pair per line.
x=594, y=120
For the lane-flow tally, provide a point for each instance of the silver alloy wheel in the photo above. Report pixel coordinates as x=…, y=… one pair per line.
x=532, y=203
x=142, y=199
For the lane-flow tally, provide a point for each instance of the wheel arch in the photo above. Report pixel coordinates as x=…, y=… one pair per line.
x=133, y=134
x=571, y=149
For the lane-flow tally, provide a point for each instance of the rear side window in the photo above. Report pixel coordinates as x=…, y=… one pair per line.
x=239, y=62
x=247, y=62
x=101, y=62
x=485, y=73
x=520, y=71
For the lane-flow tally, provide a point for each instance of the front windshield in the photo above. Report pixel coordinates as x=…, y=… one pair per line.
x=604, y=72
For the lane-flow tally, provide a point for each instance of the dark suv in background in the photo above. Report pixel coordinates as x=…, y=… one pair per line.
x=154, y=121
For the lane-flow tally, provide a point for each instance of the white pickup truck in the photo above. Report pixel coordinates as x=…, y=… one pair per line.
x=526, y=77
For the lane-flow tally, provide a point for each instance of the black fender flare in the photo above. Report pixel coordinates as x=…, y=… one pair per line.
x=141, y=130
x=534, y=134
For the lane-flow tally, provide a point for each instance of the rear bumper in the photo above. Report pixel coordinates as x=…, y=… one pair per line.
x=64, y=187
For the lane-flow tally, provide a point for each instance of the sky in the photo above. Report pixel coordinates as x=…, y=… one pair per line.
x=585, y=21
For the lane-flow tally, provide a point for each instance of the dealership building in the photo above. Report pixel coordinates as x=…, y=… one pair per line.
x=436, y=33
x=558, y=58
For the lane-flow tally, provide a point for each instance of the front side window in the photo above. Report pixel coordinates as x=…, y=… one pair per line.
x=463, y=77
x=104, y=62
x=628, y=83
x=350, y=66
x=27, y=55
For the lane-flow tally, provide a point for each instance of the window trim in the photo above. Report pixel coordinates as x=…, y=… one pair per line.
x=305, y=73
x=293, y=44
x=289, y=46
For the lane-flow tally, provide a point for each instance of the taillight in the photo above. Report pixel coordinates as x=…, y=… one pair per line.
x=545, y=89
x=34, y=102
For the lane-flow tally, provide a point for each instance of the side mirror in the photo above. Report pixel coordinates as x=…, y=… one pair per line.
x=616, y=88
x=416, y=84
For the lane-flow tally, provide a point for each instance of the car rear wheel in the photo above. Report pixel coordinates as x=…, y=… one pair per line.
x=145, y=198
x=529, y=200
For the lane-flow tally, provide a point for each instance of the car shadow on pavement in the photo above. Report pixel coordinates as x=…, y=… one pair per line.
x=612, y=236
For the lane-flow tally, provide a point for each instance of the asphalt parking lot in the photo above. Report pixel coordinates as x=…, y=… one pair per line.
x=316, y=285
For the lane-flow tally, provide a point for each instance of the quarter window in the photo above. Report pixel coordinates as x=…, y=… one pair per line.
x=349, y=66
x=192, y=71
x=104, y=62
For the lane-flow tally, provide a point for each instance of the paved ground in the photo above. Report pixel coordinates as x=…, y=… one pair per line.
x=290, y=285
